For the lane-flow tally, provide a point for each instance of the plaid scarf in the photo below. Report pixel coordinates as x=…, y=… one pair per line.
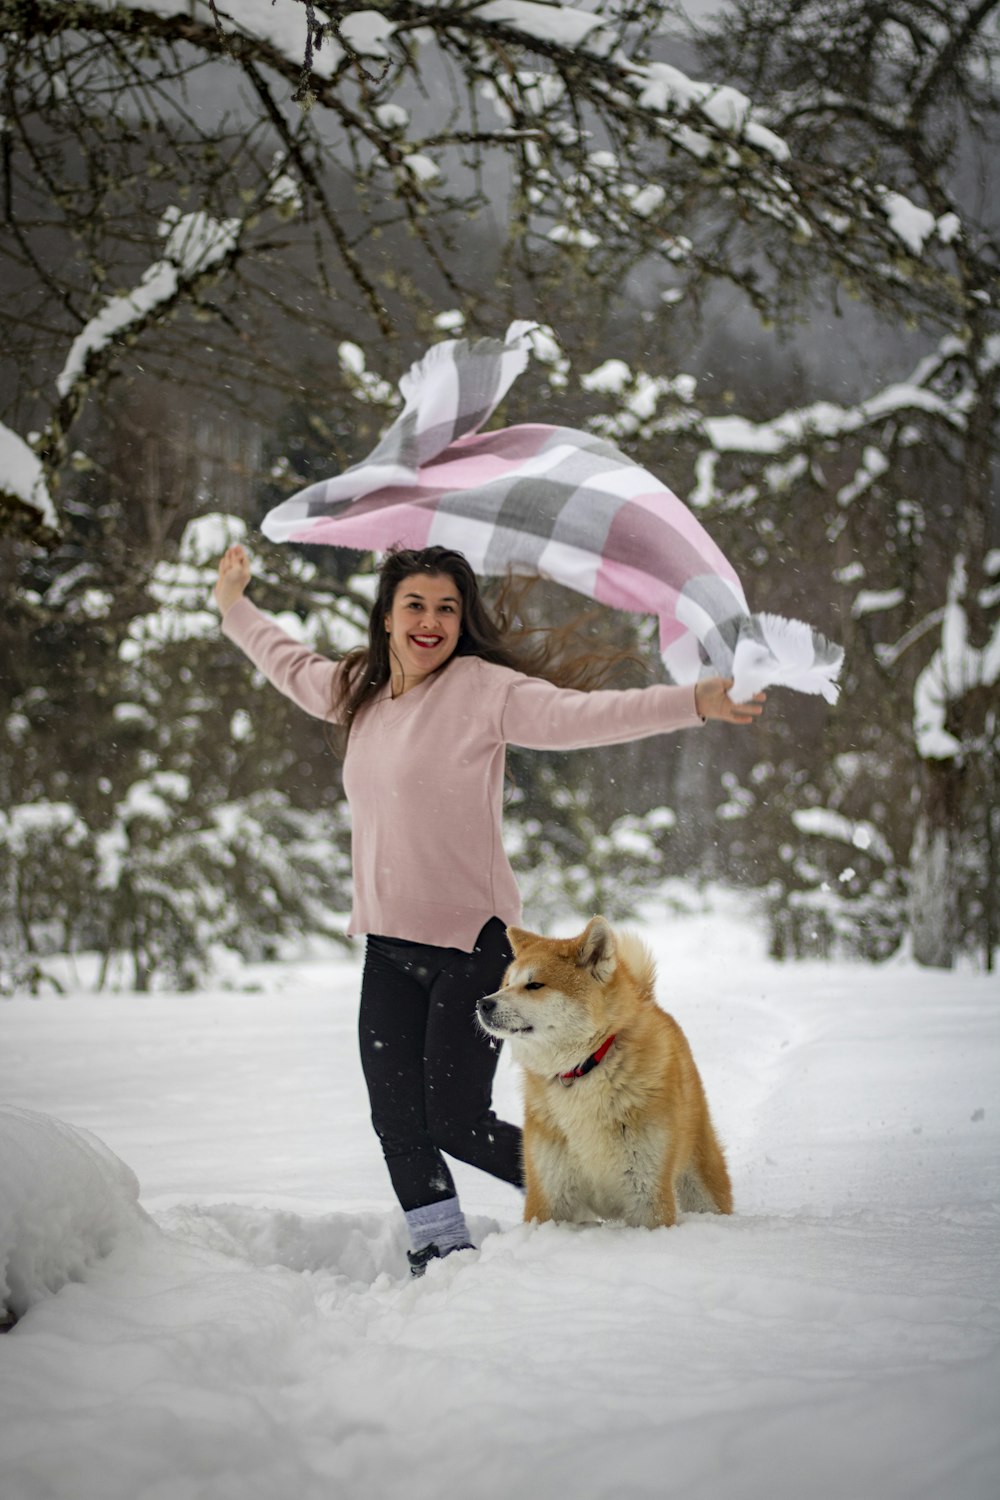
x=558, y=502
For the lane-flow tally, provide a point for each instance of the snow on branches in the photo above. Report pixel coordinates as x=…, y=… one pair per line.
x=409, y=113
x=195, y=245
x=23, y=487
x=956, y=669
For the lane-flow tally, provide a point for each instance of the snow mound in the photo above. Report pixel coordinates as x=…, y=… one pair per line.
x=354, y=1248
x=65, y=1199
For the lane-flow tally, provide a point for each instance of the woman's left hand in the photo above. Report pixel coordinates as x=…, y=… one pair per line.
x=712, y=701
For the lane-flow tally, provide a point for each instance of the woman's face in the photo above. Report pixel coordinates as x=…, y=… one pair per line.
x=423, y=625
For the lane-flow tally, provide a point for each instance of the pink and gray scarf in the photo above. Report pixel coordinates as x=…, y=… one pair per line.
x=557, y=502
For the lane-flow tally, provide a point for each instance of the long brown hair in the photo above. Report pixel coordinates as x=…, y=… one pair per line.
x=495, y=632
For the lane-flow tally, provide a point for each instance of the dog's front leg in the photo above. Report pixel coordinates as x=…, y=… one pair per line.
x=651, y=1201
x=551, y=1189
x=536, y=1205
x=647, y=1204
x=668, y=1198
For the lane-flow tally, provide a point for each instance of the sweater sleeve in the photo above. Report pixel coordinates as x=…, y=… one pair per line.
x=305, y=676
x=539, y=716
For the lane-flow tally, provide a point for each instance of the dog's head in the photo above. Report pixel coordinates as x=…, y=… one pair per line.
x=557, y=1000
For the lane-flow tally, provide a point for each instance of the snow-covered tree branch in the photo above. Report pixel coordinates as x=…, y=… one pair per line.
x=407, y=119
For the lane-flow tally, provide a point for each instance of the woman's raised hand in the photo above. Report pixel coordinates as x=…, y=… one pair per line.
x=234, y=575
x=712, y=701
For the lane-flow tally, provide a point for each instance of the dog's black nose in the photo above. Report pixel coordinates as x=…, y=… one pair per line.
x=487, y=1006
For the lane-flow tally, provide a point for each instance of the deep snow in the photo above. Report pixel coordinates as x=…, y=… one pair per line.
x=248, y=1330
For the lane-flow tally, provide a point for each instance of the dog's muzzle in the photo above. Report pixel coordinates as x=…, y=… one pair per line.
x=493, y=1020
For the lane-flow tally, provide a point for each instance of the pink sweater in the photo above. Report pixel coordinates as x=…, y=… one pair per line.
x=424, y=774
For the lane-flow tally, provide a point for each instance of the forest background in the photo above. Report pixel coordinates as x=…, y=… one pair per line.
x=761, y=249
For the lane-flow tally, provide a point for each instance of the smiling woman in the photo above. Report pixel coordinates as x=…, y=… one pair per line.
x=424, y=625
x=429, y=706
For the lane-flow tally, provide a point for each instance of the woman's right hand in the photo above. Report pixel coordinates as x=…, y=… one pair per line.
x=712, y=701
x=234, y=575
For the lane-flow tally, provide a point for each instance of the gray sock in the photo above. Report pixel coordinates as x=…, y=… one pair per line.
x=441, y=1224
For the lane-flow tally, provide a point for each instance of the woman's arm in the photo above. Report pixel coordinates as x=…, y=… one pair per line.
x=308, y=678
x=540, y=716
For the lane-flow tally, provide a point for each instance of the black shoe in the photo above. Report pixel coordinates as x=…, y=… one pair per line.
x=420, y=1259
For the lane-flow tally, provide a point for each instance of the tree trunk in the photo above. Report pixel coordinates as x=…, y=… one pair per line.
x=933, y=904
x=947, y=826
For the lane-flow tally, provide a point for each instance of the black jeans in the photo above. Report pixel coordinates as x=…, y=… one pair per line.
x=429, y=1068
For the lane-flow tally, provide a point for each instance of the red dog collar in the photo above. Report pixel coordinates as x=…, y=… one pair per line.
x=585, y=1067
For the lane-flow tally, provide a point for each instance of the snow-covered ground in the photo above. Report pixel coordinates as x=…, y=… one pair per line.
x=247, y=1331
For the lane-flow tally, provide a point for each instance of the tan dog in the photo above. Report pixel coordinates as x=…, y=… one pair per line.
x=616, y=1124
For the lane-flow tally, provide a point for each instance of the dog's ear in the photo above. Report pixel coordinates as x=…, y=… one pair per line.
x=597, y=950
x=517, y=937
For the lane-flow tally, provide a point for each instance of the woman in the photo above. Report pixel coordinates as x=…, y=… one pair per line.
x=428, y=708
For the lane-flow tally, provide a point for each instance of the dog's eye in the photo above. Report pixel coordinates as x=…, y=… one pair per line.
x=534, y=984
